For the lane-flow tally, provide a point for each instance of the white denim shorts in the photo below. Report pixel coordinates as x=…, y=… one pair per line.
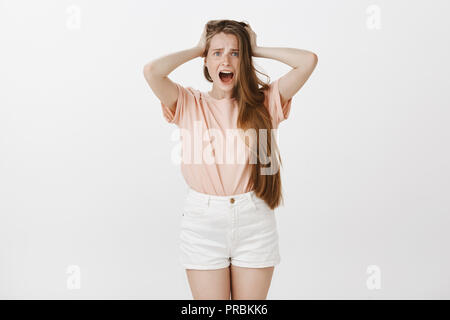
x=219, y=230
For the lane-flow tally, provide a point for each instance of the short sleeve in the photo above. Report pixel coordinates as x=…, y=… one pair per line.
x=185, y=97
x=277, y=111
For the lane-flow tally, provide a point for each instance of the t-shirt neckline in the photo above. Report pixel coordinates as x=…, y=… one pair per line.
x=219, y=100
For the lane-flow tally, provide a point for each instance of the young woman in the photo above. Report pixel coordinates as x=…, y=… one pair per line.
x=229, y=239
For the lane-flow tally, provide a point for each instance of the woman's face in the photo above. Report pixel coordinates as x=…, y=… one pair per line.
x=223, y=55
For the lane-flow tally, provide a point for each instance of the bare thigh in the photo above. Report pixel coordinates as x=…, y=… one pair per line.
x=209, y=284
x=250, y=283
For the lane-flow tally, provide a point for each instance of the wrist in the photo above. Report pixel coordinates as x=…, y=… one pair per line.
x=198, y=51
x=256, y=51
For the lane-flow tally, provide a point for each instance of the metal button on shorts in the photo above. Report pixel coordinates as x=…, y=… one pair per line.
x=219, y=230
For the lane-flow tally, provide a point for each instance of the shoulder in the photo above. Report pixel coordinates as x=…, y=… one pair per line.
x=193, y=92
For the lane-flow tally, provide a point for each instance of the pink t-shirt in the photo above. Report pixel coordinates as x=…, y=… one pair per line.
x=208, y=126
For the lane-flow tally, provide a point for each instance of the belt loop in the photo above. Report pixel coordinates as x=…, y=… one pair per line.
x=207, y=200
x=249, y=197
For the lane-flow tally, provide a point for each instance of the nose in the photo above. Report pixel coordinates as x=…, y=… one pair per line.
x=226, y=59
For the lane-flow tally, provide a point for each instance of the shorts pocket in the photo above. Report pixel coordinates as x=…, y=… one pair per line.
x=194, y=210
x=263, y=209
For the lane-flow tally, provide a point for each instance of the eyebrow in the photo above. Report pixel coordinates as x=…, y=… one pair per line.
x=217, y=49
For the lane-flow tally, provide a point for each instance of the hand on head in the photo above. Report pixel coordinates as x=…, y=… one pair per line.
x=202, y=42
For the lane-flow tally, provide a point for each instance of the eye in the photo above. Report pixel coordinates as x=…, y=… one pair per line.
x=237, y=53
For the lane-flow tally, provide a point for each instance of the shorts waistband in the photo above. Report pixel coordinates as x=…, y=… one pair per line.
x=206, y=198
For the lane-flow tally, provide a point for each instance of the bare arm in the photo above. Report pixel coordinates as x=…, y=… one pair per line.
x=164, y=65
x=290, y=56
x=156, y=73
x=303, y=63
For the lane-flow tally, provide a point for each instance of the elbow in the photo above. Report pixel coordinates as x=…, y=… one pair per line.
x=148, y=69
x=314, y=60
x=151, y=69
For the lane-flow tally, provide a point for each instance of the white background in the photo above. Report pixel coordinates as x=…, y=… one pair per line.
x=87, y=180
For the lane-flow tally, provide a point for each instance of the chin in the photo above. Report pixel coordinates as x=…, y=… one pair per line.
x=225, y=87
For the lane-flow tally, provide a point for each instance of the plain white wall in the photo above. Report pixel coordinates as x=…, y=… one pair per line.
x=90, y=199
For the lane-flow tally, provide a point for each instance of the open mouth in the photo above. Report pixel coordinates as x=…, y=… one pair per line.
x=226, y=77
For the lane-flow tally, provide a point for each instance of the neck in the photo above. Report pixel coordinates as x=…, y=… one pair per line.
x=220, y=94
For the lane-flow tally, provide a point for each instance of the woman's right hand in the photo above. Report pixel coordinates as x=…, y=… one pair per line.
x=202, y=42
